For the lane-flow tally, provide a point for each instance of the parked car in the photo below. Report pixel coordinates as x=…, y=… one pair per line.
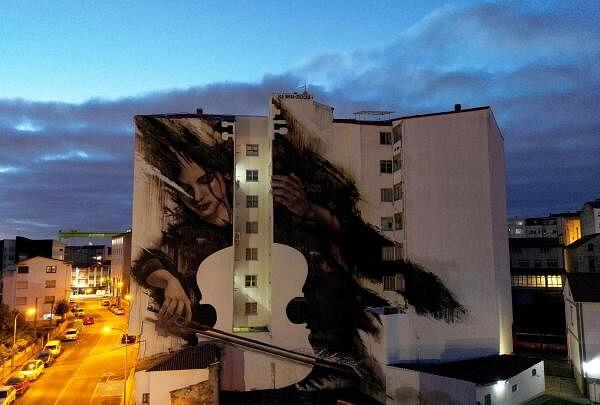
x=105, y=303
x=32, y=369
x=54, y=347
x=130, y=339
x=19, y=383
x=71, y=334
x=46, y=357
x=8, y=394
x=119, y=311
x=88, y=320
x=80, y=313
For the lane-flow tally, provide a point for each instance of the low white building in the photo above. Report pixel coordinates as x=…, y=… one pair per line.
x=582, y=309
x=38, y=282
x=583, y=255
x=504, y=379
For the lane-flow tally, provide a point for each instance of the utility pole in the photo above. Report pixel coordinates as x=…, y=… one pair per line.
x=35, y=320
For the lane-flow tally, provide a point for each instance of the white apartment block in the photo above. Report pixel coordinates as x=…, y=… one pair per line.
x=37, y=281
x=120, y=264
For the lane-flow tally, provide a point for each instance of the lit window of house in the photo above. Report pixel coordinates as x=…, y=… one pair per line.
x=50, y=269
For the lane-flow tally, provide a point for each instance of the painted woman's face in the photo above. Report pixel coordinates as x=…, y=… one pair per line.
x=207, y=193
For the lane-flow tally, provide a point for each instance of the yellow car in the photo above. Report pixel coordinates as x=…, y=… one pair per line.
x=32, y=369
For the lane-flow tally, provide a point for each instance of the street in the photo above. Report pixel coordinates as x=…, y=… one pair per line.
x=89, y=370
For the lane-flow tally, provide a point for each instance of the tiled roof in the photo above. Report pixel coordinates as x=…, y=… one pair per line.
x=189, y=358
x=585, y=287
x=481, y=371
x=582, y=240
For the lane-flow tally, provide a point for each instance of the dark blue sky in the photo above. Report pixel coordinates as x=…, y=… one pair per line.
x=74, y=76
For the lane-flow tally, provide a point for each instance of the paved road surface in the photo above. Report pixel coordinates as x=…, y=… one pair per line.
x=89, y=370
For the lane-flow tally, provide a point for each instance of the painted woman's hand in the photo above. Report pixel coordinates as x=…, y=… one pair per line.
x=289, y=192
x=177, y=306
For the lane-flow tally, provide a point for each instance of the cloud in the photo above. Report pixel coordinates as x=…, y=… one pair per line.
x=71, y=164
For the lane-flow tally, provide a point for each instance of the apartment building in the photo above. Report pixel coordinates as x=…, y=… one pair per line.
x=590, y=218
x=430, y=188
x=583, y=255
x=120, y=263
x=566, y=227
x=38, y=282
x=91, y=268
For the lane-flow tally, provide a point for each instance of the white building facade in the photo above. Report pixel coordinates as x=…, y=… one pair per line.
x=590, y=218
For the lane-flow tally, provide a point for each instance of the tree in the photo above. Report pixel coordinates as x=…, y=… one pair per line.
x=62, y=307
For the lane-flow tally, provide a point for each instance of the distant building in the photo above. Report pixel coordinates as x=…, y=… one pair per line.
x=582, y=307
x=121, y=263
x=563, y=226
x=537, y=272
x=583, y=255
x=516, y=227
x=91, y=268
x=590, y=218
x=37, y=280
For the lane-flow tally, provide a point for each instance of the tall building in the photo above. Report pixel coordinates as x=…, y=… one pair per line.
x=120, y=264
x=566, y=227
x=379, y=242
x=590, y=218
x=91, y=268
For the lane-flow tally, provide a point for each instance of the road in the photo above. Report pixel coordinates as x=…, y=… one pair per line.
x=89, y=370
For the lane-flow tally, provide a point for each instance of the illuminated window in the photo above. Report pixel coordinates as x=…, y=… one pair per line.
x=385, y=166
x=554, y=281
x=251, y=227
x=385, y=138
x=48, y=299
x=387, y=223
x=250, y=280
x=21, y=301
x=50, y=283
x=251, y=308
x=251, y=175
x=251, y=149
x=387, y=195
x=23, y=269
x=22, y=285
x=50, y=269
x=251, y=201
x=251, y=253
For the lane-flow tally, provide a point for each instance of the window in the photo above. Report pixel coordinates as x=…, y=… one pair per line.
x=251, y=253
x=250, y=280
x=553, y=263
x=534, y=372
x=251, y=149
x=398, y=222
x=251, y=227
x=394, y=282
x=396, y=164
x=554, y=281
x=515, y=388
x=22, y=285
x=23, y=269
x=591, y=263
x=21, y=301
x=515, y=249
x=523, y=263
x=49, y=299
x=487, y=400
x=50, y=284
x=590, y=247
x=545, y=250
x=387, y=223
x=537, y=263
x=385, y=138
x=146, y=398
x=398, y=135
x=387, y=195
x=251, y=201
x=251, y=308
x=397, y=191
x=391, y=253
x=50, y=269
x=251, y=175
x=385, y=166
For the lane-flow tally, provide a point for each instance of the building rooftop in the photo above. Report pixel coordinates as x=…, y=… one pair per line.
x=189, y=358
x=585, y=287
x=533, y=242
x=481, y=371
x=582, y=240
x=549, y=271
x=594, y=204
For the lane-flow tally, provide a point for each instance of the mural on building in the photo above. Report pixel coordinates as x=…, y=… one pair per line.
x=188, y=164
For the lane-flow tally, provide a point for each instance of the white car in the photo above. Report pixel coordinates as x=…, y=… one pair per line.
x=8, y=395
x=54, y=347
x=71, y=334
x=119, y=311
x=32, y=369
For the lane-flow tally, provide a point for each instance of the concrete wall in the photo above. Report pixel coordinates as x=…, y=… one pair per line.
x=159, y=384
x=528, y=386
x=32, y=285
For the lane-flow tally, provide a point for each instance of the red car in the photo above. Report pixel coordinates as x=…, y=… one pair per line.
x=88, y=320
x=19, y=383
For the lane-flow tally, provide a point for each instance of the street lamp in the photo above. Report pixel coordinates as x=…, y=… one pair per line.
x=30, y=312
x=106, y=330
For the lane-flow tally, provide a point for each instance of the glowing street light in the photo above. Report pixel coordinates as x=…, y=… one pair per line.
x=127, y=297
x=29, y=312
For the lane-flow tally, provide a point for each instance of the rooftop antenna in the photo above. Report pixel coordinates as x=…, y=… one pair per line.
x=305, y=86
